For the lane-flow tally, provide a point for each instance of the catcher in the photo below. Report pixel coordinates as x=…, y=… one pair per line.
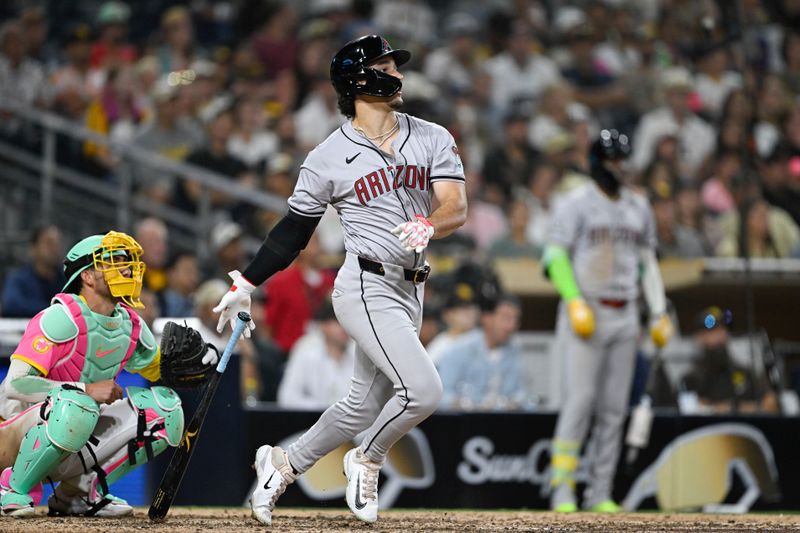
x=65, y=418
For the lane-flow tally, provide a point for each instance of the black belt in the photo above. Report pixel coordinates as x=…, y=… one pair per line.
x=416, y=276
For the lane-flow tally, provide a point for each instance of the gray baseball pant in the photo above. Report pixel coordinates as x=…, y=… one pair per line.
x=395, y=385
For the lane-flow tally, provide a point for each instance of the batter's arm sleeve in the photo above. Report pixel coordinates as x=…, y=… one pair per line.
x=558, y=268
x=652, y=284
x=281, y=246
x=25, y=383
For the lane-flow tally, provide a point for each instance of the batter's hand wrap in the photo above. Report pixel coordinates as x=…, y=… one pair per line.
x=661, y=329
x=235, y=300
x=187, y=360
x=581, y=317
x=414, y=235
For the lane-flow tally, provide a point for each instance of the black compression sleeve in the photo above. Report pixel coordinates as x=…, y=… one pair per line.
x=281, y=246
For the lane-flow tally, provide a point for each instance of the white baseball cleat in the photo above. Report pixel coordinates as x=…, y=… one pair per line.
x=362, y=485
x=83, y=505
x=274, y=474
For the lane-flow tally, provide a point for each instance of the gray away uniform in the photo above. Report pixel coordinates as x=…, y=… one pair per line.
x=395, y=385
x=604, y=238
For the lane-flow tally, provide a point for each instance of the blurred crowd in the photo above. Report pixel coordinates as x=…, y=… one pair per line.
x=708, y=91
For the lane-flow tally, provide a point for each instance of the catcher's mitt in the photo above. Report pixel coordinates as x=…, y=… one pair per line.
x=182, y=351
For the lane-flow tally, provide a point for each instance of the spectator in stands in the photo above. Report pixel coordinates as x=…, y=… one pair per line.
x=112, y=47
x=22, y=80
x=674, y=239
x=76, y=73
x=179, y=49
x=227, y=249
x=485, y=220
x=183, y=277
x=714, y=81
x=510, y=162
x=171, y=134
x=275, y=44
x=515, y=244
x=776, y=181
x=152, y=234
x=115, y=114
x=29, y=289
x=320, y=365
x=151, y=310
x=791, y=59
x=718, y=383
x=483, y=370
x=452, y=65
x=214, y=157
x=539, y=198
x=519, y=74
x=460, y=314
x=717, y=192
x=252, y=142
x=773, y=102
x=696, y=138
x=319, y=115
x=294, y=295
x=758, y=230
x=35, y=25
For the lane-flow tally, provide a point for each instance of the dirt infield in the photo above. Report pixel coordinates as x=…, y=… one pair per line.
x=185, y=520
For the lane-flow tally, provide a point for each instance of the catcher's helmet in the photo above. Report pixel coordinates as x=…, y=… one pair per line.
x=611, y=145
x=350, y=74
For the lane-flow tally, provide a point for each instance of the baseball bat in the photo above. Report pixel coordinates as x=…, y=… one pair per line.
x=180, y=459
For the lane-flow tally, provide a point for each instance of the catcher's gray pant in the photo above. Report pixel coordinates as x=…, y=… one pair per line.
x=597, y=379
x=395, y=385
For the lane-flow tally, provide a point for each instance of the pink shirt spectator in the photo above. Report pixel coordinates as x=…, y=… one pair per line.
x=716, y=196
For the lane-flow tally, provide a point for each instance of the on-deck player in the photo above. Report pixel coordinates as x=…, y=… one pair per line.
x=606, y=233
x=380, y=171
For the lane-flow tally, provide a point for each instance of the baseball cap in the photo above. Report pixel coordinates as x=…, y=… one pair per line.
x=224, y=233
x=113, y=12
x=462, y=295
x=676, y=78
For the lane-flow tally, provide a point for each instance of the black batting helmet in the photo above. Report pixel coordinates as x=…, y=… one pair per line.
x=350, y=74
x=611, y=145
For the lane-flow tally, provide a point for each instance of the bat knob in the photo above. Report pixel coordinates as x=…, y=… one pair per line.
x=244, y=316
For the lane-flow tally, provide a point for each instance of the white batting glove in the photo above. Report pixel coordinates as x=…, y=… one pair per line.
x=414, y=235
x=235, y=300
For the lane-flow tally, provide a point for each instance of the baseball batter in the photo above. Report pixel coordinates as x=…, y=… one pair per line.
x=380, y=171
x=606, y=233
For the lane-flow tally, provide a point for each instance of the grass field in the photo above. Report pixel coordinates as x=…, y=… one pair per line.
x=405, y=521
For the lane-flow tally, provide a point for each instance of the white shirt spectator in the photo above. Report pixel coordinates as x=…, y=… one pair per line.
x=315, y=121
x=695, y=137
x=261, y=146
x=512, y=82
x=442, y=68
x=313, y=380
x=713, y=92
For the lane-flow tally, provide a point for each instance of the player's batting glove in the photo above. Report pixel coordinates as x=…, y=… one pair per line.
x=414, y=235
x=661, y=329
x=581, y=317
x=236, y=299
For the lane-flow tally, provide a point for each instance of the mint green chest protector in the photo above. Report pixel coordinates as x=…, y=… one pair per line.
x=103, y=344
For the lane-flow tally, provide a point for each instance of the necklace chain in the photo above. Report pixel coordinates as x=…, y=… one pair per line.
x=381, y=136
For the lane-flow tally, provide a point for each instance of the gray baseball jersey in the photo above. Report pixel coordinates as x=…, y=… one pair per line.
x=604, y=238
x=373, y=191
x=395, y=384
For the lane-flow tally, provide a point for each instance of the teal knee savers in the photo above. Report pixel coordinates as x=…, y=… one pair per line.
x=166, y=403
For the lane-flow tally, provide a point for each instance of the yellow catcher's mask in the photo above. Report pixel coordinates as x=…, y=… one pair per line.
x=114, y=254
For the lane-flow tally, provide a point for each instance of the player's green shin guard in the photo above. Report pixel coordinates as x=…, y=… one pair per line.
x=562, y=470
x=72, y=417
